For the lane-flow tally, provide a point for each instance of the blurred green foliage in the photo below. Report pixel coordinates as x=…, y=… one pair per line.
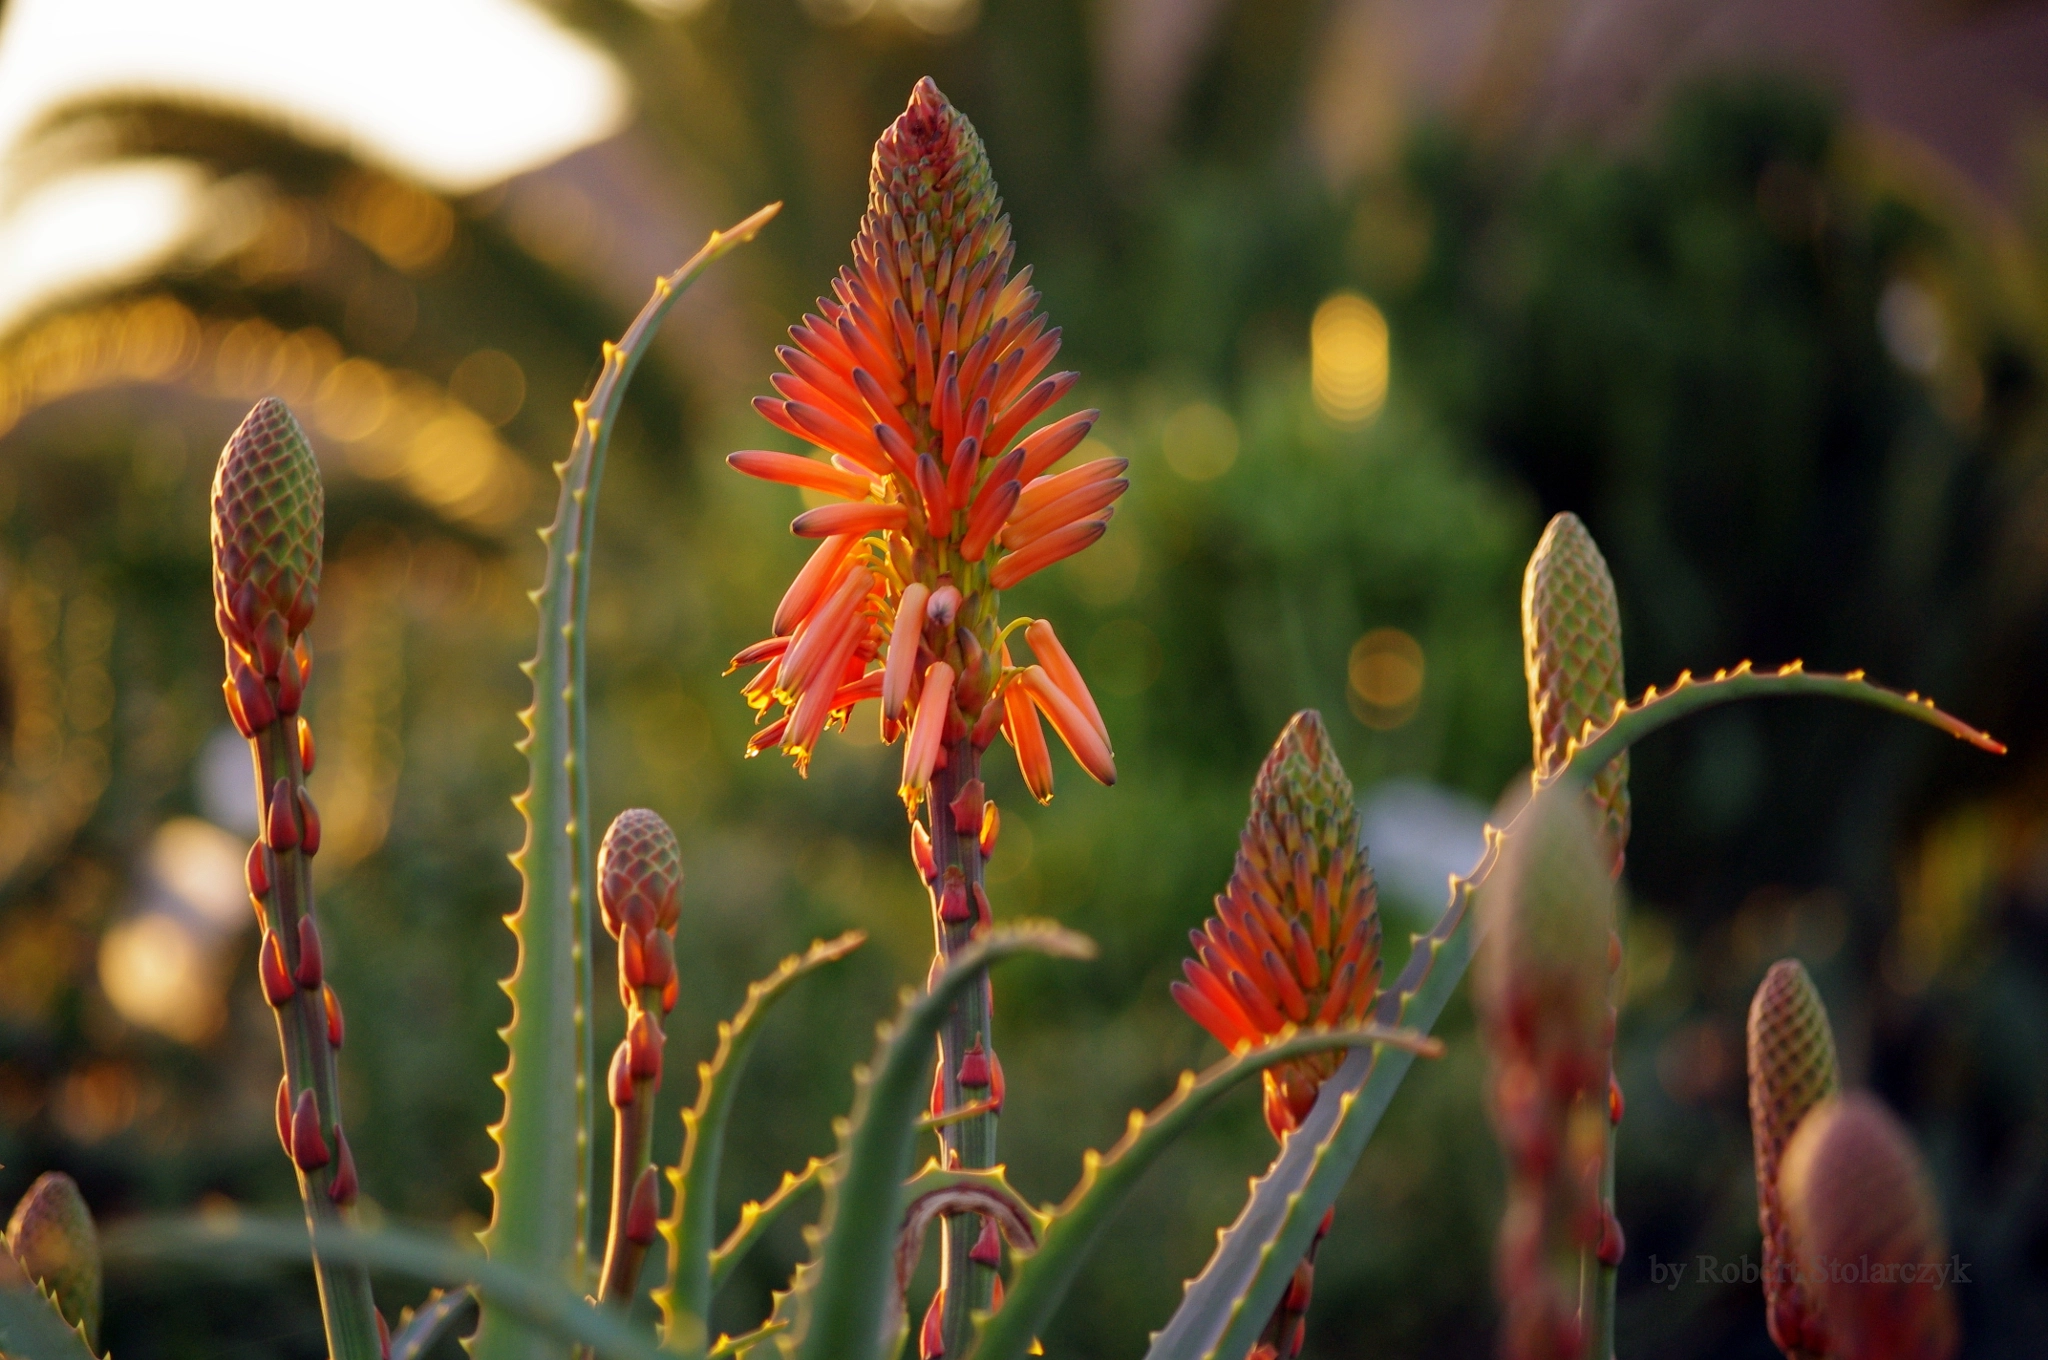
x=1695, y=341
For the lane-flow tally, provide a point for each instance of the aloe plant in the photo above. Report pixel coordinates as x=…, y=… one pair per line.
x=918, y=380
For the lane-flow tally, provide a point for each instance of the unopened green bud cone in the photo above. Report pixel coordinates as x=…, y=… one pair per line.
x=268, y=521
x=52, y=1237
x=1792, y=1068
x=1571, y=654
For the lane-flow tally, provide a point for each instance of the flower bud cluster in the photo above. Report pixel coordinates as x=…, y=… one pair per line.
x=1548, y=1028
x=639, y=897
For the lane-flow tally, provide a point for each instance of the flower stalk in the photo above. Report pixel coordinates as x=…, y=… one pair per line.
x=919, y=379
x=1295, y=941
x=268, y=515
x=639, y=895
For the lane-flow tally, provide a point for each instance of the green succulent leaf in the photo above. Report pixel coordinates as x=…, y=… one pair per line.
x=691, y=1225
x=540, y=1186
x=541, y=1302
x=842, y=1315
x=1042, y=1279
x=443, y=1313
x=757, y=1217
x=31, y=1328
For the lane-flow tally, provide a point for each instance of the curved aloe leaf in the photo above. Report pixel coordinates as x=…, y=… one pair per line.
x=31, y=1328
x=540, y=1301
x=1042, y=1280
x=841, y=1316
x=442, y=1313
x=540, y=1187
x=691, y=1225
x=1227, y=1304
x=757, y=1216
x=938, y=1191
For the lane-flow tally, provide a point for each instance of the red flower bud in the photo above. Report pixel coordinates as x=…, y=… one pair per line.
x=966, y=809
x=310, y=966
x=921, y=852
x=632, y=957
x=644, y=1211
x=991, y=823
x=309, y=841
x=661, y=961
x=988, y=1248
x=620, y=1079
x=278, y=987
x=931, y=1338
x=644, y=1041
x=974, y=1068
x=281, y=829
x=953, y=907
x=306, y=752
x=290, y=690
x=309, y=1149
x=342, y=1190
x=335, y=1029
x=257, y=870
x=1612, y=1243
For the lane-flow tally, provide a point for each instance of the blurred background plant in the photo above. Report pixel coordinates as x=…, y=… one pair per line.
x=1365, y=291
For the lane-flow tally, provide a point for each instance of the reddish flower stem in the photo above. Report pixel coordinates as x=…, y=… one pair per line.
x=309, y=1059
x=969, y=1285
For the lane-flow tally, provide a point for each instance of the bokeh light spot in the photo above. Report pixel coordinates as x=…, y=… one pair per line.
x=1200, y=441
x=1385, y=676
x=491, y=383
x=1348, y=360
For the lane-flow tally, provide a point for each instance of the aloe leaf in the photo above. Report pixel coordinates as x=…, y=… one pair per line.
x=1042, y=1279
x=539, y=1300
x=936, y=1192
x=842, y=1314
x=540, y=1187
x=31, y=1328
x=1227, y=1304
x=742, y=1345
x=756, y=1217
x=442, y=1313
x=691, y=1226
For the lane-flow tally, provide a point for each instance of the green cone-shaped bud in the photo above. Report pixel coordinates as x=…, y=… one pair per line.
x=639, y=873
x=1542, y=977
x=930, y=187
x=1868, y=1230
x=51, y=1235
x=1571, y=654
x=1792, y=1068
x=268, y=518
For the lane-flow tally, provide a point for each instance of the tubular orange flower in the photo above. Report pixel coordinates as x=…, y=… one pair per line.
x=810, y=583
x=1051, y=655
x=921, y=751
x=904, y=634
x=1021, y=726
x=920, y=375
x=1088, y=745
x=795, y=470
